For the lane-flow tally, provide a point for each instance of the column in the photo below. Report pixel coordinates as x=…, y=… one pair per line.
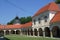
x=38, y=31
x=20, y=32
x=4, y=32
x=15, y=31
x=43, y=33
x=27, y=32
x=51, y=34
x=30, y=32
x=9, y=31
x=33, y=33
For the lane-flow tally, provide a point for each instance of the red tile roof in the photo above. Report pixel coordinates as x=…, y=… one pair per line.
x=56, y=18
x=29, y=24
x=1, y=27
x=12, y=26
x=51, y=6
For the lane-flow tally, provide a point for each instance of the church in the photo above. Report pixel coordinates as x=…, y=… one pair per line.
x=45, y=22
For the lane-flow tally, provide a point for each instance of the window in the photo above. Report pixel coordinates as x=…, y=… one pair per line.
x=34, y=22
x=39, y=20
x=45, y=18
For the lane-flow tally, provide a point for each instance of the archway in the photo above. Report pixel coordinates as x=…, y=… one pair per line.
x=40, y=32
x=55, y=31
x=17, y=31
x=28, y=32
x=31, y=32
x=1, y=33
x=12, y=32
x=35, y=32
x=7, y=32
x=47, y=32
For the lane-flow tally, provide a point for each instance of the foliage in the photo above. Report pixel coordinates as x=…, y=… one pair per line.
x=23, y=20
x=57, y=1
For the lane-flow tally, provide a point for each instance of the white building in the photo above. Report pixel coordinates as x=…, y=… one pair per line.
x=46, y=22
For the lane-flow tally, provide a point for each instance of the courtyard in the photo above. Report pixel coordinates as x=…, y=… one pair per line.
x=24, y=37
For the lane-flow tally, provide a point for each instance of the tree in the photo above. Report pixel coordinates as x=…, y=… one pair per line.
x=23, y=20
x=57, y=1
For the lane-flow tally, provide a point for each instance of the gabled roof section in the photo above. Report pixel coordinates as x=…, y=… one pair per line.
x=56, y=18
x=51, y=6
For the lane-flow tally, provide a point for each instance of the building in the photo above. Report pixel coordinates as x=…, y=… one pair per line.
x=15, y=28
x=45, y=22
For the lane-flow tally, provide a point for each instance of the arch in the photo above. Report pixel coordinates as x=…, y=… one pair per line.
x=7, y=32
x=1, y=33
x=12, y=32
x=31, y=32
x=55, y=31
x=47, y=32
x=17, y=31
x=40, y=32
x=35, y=32
x=25, y=32
x=28, y=32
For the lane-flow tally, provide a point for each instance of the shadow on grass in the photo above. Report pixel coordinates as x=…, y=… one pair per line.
x=6, y=38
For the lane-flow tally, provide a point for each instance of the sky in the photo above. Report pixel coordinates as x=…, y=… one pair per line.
x=9, y=9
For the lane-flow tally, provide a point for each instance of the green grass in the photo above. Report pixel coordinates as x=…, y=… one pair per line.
x=19, y=37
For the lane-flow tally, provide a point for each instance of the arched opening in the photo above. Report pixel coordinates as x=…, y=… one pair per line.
x=40, y=32
x=12, y=32
x=47, y=32
x=25, y=32
x=1, y=33
x=7, y=32
x=28, y=32
x=55, y=31
x=31, y=32
x=35, y=32
x=17, y=31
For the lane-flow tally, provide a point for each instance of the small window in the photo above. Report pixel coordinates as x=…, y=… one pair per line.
x=45, y=17
x=45, y=20
x=39, y=20
x=34, y=21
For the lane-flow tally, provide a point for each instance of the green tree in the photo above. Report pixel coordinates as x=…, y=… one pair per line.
x=23, y=20
x=57, y=1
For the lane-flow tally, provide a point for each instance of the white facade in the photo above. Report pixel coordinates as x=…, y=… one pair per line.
x=42, y=24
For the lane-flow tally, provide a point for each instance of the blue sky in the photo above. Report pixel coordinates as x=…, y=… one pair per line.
x=22, y=8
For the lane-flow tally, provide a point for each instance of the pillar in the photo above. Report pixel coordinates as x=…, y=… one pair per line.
x=15, y=31
x=33, y=33
x=20, y=32
x=43, y=33
x=38, y=31
x=9, y=31
x=27, y=32
x=4, y=32
x=51, y=34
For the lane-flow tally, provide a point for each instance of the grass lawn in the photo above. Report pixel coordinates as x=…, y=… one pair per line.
x=19, y=37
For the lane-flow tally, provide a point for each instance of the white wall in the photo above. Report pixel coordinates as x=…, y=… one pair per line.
x=42, y=23
x=51, y=14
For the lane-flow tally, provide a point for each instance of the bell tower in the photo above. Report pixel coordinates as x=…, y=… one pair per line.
x=16, y=21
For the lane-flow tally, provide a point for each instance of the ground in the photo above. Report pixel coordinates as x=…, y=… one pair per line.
x=19, y=37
